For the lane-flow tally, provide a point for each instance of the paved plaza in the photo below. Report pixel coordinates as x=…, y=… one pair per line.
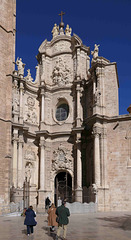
x=91, y=226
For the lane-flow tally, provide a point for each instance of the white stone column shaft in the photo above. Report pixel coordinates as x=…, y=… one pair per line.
x=79, y=168
x=21, y=103
x=20, y=162
x=42, y=165
x=15, y=155
x=97, y=159
x=42, y=105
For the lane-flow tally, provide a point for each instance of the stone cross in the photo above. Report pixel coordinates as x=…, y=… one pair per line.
x=61, y=14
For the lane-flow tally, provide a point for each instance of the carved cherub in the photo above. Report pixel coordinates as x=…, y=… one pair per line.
x=55, y=30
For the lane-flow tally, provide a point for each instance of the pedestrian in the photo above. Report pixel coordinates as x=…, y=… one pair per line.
x=30, y=221
x=47, y=203
x=52, y=217
x=63, y=213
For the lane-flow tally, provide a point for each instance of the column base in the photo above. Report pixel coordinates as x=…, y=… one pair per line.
x=42, y=195
x=79, y=195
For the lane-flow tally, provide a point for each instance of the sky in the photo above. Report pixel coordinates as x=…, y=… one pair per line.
x=104, y=22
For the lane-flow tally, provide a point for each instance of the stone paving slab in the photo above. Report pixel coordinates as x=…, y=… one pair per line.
x=91, y=226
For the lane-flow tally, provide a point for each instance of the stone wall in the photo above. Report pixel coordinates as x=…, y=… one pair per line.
x=119, y=165
x=7, y=57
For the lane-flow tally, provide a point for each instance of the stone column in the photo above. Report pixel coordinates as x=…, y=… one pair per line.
x=104, y=159
x=42, y=105
x=42, y=164
x=42, y=192
x=20, y=160
x=21, y=103
x=15, y=155
x=101, y=89
x=96, y=156
x=79, y=173
x=78, y=94
x=15, y=99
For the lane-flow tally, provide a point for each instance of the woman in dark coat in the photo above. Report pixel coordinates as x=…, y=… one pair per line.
x=29, y=220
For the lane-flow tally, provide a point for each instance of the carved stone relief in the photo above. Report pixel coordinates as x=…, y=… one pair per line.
x=30, y=115
x=30, y=155
x=61, y=47
x=62, y=159
x=61, y=74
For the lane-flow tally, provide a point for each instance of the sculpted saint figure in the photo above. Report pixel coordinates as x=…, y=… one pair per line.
x=95, y=52
x=20, y=66
x=55, y=30
x=68, y=30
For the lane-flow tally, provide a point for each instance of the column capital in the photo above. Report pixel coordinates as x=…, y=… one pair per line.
x=42, y=143
x=96, y=131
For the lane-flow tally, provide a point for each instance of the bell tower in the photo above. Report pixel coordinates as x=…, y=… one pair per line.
x=7, y=58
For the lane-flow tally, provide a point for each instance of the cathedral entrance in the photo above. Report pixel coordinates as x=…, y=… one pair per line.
x=63, y=187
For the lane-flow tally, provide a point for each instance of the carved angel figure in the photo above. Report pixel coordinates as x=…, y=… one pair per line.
x=20, y=66
x=55, y=30
x=95, y=52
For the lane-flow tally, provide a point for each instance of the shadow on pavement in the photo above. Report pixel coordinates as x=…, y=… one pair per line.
x=123, y=222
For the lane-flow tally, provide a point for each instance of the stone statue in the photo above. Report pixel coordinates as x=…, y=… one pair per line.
x=28, y=77
x=20, y=66
x=55, y=30
x=95, y=52
x=68, y=30
x=28, y=171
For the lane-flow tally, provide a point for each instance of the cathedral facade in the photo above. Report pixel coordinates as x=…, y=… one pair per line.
x=66, y=137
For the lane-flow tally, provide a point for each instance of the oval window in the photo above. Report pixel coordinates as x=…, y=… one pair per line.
x=62, y=112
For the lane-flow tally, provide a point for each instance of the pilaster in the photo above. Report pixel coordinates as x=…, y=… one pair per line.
x=78, y=190
x=15, y=156
x=20, y=160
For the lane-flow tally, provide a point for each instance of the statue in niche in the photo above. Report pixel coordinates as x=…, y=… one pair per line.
x=95, y=52
x=16, y=105
x=68, y=30
x=55, y=30
x=97, y=96
x=20, y=66
x=28, y=171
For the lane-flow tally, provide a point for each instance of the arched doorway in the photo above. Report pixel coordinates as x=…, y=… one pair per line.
x=63, y=187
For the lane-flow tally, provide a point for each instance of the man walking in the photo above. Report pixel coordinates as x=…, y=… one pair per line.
x=63, y=213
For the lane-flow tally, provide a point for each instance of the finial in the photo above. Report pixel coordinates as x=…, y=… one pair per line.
x=61, y=23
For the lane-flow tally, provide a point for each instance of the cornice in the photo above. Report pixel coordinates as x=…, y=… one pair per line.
x=47, y=134
x=107, y=119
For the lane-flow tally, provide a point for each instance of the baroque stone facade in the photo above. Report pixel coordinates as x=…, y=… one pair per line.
x=67, y=137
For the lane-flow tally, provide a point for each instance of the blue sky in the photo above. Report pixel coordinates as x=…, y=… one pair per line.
x=105, y=22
